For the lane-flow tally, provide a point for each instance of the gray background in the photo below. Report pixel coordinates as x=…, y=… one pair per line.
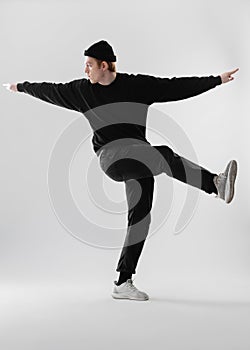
x=54, y=285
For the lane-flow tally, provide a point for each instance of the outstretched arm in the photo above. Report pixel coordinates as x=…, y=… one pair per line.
x=152, y=89
x=61, y=94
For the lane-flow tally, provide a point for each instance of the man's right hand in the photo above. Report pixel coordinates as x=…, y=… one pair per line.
x=11, y=87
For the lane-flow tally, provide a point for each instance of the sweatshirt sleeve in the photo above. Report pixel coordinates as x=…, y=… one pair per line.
x=156, y=89
x=60, y=94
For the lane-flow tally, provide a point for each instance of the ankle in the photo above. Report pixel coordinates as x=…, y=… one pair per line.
x=124, y=276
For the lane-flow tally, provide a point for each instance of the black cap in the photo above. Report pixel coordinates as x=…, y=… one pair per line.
x=102, y=51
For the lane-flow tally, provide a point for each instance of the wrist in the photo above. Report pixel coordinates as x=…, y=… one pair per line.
x=221, y=79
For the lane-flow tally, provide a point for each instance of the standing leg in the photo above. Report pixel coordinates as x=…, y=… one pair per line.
x=139, y=198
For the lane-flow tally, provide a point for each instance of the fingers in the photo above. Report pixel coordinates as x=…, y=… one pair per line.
x=226, y=77
x=233, y=71
x=7, y=86
x=10, y=87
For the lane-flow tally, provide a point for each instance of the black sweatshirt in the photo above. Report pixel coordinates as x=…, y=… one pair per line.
x=118, y=110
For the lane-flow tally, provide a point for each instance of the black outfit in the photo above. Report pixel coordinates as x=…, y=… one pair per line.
x=117, y=114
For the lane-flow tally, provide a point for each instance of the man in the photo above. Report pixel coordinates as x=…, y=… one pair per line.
x=116, y=106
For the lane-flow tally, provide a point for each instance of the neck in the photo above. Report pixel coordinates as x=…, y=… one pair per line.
x=108, y=78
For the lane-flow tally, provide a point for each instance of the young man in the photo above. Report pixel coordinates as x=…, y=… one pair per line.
x=116, y=106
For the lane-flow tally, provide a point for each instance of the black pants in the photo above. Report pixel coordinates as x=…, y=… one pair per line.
x=136, y=165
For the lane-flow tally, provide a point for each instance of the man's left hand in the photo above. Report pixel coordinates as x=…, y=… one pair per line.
x=226, y=77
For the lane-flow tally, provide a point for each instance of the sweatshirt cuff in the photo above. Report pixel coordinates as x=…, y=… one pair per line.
x=20, y=87
x=219, y=80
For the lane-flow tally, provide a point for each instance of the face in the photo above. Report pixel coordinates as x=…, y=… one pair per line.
x=92, y=70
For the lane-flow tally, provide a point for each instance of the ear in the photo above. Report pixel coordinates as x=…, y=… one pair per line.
x=104, y=65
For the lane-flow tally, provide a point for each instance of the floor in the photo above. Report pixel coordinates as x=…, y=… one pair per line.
x=77, y=317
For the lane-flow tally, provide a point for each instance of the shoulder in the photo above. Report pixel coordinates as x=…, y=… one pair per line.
x=73, y=84
x=79, y=84
x=138, y=78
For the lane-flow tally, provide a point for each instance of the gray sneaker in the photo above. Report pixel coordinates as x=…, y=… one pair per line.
x=224, y=182
x=127, y=290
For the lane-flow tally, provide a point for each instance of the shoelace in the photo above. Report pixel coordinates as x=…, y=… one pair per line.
x=221, y=175
x=219, y=178
x=218, y=181
x=131, y=286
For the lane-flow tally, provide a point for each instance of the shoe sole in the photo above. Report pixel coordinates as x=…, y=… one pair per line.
x=229, y=190
x=117, y=296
